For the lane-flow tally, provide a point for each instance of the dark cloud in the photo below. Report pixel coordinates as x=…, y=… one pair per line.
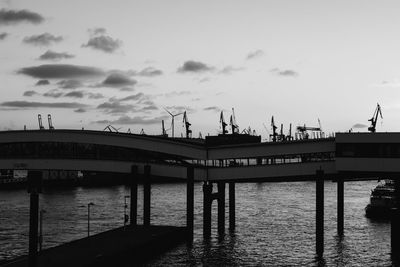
x=43, y=39
x=95, y=95
x=30, y=93
x=118, y=79
x=54, y=93
x=97, y=31
x=134, y=120
x=135, y=97
x=115, y=107
x=3, y=35
x=75, y=94
x=10, y=17
x=51, y=55
x=359, y=126
x=103, y=43
x=80, y=110
x=194, y=66
x=69, y=84
x=180, y=109
x=61, y=71
x=28, y=104
x=288, y=73
x=127, y=89
x=213, y=108
x=42, y=82
x=230, y=69
x=148, y=72
x=255, y=54
x=150, y=107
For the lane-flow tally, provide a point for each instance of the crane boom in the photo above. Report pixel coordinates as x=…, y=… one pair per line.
x=374, y=118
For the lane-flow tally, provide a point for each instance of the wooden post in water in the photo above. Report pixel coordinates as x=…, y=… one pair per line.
x=146, y=195
x=231, y=206
x=134, y=188
x=207, y=204
x=319, y=213
x=190, y=203
x=34, y=188
x=221, y=208
x=340, y=207
x=395, y=223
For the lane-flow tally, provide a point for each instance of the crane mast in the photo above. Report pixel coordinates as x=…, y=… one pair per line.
x=223, y=123
x=274, y=133
x=374, y=118
x=40, y=122
x=187, y=125
x=50, y=122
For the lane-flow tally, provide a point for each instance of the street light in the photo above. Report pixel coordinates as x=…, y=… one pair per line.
x=41, y=228
x=126, y=217
x=88, y=218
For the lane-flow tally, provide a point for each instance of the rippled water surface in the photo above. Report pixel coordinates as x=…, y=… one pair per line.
x=275, y=224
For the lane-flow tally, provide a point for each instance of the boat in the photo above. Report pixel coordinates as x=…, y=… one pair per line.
x=382, y=201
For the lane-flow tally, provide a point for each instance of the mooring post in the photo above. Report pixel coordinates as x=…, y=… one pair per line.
x=231, y=206
x=146, y=195
x=340, y=206
x=207, y=204
x=34, y=188
x=190, y=202
x=395, y=223
x=320, y=212
x=134, y=188
x=221, y=207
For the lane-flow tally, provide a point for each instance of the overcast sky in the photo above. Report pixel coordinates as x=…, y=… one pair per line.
x=92, y=63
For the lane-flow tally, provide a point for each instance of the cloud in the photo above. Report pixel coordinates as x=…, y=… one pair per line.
x=95, y=95
x=42, y=82
x=287, y=73
x=134, y=120
x=180, y=109
x=54, y=93
x=11, y=17
x=97, y=31
x=51, y=55
x=43, y=39
x=80, y=110
x=118, y=79
x=69, y=84
x=61, y=71
x=115, y=107
x=30, y=93
x=28, y=104
x=103, y=43
x=137, y=96
x=255, y=54
x=213, y=108
x=3, y=35
x=230, y=69
x=75, y=94
x=175, y=93
x=194, y=66
x=148, y=72
x=359, y=125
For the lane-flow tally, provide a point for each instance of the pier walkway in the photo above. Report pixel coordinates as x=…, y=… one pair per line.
x=117, y=247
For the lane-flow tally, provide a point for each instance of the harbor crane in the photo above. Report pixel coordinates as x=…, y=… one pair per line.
x=187, y=126
x=111, y=128
x=173, y=119
x=40, y=122
x=234, y=126
x=164, y=131
x=50, y=122
x=274, y=133
x=223, y=123
x=303, y=130
x=374, y=118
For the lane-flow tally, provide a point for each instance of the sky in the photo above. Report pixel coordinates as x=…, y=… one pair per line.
x=93, y=63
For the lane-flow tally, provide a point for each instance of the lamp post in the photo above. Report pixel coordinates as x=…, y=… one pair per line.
x=41, y=228
x=126, y=216
x=88, y=218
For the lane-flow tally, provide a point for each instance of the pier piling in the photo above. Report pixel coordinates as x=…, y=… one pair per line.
x=395, y=223
x=221, y=208
x=34, y=188
x=146, y=195
x=134, y=188
x=190, y=203
x=340, y=207
x=320, y=213
x=231, y=206
x=207, y=204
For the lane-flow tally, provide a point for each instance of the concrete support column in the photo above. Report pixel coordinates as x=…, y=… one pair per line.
x=207, y=204
x=340, y=207
x=134, y=188
x=221, y=208
x=190, y=203
x=34, y=188
x=146, y=195
x=395, y=224
x=232, y=206
x=320, y=213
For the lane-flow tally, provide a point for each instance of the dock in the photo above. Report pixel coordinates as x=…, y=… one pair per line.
x=118, y=247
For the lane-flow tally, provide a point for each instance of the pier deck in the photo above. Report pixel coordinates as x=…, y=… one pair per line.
x=117, y=247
